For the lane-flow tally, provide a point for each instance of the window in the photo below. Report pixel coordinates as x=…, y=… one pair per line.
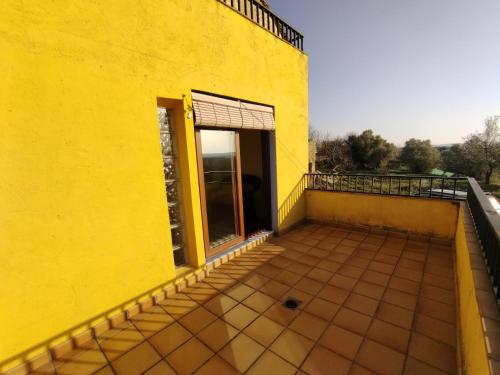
x=172, y=183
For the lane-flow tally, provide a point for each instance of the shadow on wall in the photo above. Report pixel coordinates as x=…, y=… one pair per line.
x=98, y=322
x=293, y=209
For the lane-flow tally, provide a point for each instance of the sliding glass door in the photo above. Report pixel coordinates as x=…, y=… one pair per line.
x=220, y=187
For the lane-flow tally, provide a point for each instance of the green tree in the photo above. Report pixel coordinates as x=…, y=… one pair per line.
x=456, y=159
x=370, y=151
x=419, y=155
x=484, y=148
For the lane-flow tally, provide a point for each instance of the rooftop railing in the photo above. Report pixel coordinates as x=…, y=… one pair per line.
x=487, y=223
x=410, y=186
x=262, y=16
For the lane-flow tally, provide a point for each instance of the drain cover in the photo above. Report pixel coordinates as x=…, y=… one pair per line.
x=291, y=303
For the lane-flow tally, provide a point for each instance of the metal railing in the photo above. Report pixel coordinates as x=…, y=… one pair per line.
x=411, y=186
x=487, y=223
x=261, y=15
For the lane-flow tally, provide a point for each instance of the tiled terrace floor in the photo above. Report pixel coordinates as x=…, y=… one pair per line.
x=371, y=303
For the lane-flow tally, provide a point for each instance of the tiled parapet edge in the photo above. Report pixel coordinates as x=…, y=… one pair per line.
x=187, y=279
x=478, y=306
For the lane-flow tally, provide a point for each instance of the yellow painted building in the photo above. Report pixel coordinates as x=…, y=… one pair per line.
x=85, y=225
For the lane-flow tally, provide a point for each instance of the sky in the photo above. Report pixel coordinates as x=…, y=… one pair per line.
x=427, y=69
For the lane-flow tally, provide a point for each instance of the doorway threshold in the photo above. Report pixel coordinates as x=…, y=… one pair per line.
x=245, y=245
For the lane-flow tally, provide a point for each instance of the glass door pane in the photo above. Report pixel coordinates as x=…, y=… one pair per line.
x=220, y=175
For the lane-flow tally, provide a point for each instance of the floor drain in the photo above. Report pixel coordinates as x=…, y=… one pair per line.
x=291, y=303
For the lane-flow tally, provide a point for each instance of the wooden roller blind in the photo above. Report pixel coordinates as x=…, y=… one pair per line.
x=212, y=110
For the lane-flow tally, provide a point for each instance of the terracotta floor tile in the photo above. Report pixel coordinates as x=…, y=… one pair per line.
x=307, y=260
x=329, y=265
x=438, y=294
x=389, y=335
x=433, y=353
x=401, y=299
x=264, y=330
x=86, y=360
x=239, y=292
x=415, y=367
x=341, y=341
x=255, y=281
x=411, y=264
x=136, y=361
x=104, y=371
x=322, y=309
x=381, y=267
x=404, y=285
x=351, y=271
x=395, y=315
x=220, y=304
x=380, y=358
x=361, y=304
x=270, y=363
x=369, y=290
x=343, y=282
x=197, y=319
x=437, y=310
x=178, y=306
x=436, y=280
x=352, y=320
x=161, y=368
x=360, y=370
x=280, y=314
x=216, y=366
x=318, y=253
x=240, y=316
x=189, y=357
x=170, y=338
x=436, y=329
x=288, y=278
x=384, y=258
x=299, y=295
x=357, y=261
x=217, y=334
x=259, y=302
x=333, y=294
x=292, y=347
x=116, y=342
x=200, y=292
x=408, y=274
x=241, y=352
x=151, y=321
x=321, y=361
x=274, y=289
x=309, y=286
x=320, y=275
x=375, y=277
x=300, y=268
x=308, y=325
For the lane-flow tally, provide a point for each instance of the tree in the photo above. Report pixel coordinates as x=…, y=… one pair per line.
x=484, y=148
x=370, y=151
x=456, y=159
x=334, y=155
x=419, y=155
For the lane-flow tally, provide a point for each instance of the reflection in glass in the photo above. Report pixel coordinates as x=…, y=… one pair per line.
x=219, y=167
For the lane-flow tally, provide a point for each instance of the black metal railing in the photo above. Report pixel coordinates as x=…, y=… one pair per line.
x=268, y=20
x=412, y=186
x=487, y=223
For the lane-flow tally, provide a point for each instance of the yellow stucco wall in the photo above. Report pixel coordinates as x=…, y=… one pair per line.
x=473, y=348
x=84, y=224
x=418, y=215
